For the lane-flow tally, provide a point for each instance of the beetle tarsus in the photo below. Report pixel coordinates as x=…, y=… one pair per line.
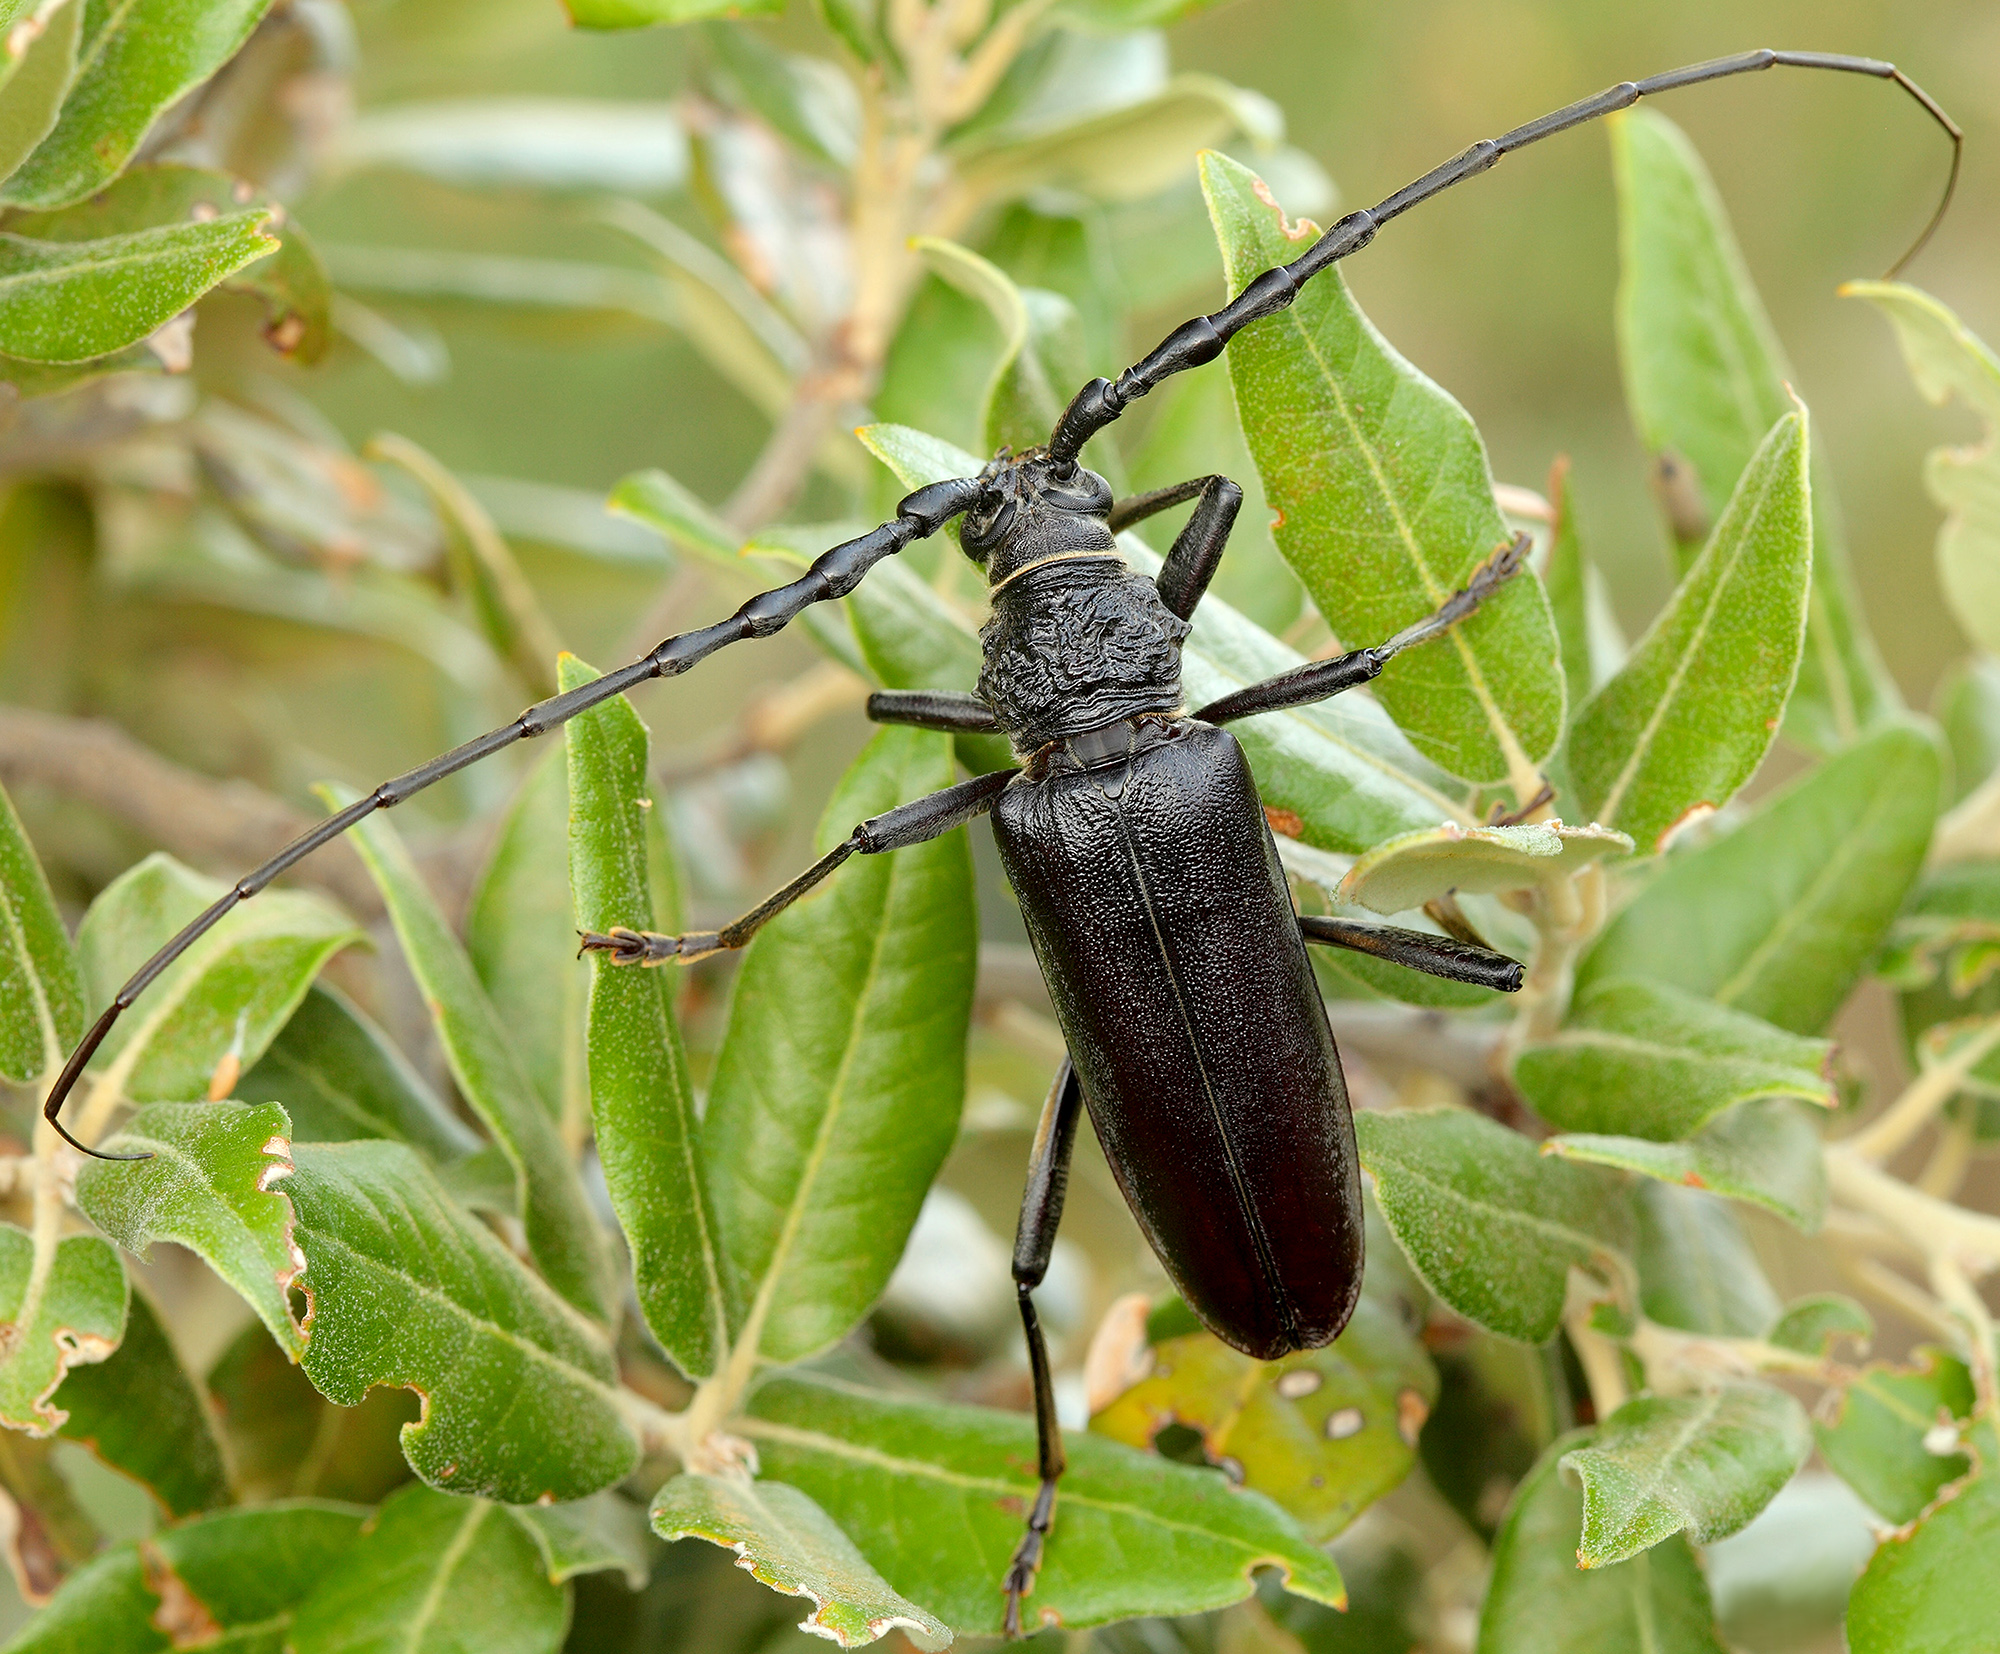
x=1027, y=1560
x=645, y=947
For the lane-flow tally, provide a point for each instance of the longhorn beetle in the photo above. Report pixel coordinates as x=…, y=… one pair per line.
x=1131, y=833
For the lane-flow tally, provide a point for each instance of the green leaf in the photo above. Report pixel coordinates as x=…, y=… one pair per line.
x=658, y=501
x=41, y=990
x=563, y=1237
x=1128, y=14
x=286, y=1440
x=1041, y=353
x=1765, y=1152
x=211, y=1186
x=1125, y=153
x=1639, y=1059
x=54, y=1315
x=140, y=1411
x=1491, y=1226
x=784, y=1540
x=1696, y=1269
x=1687, y=720
x=133, y=62
x=1386, y=505
x=1342, y=767
x=1947, y=359
x=433, y=1574
x=1415, y=868
x=534, y=142
x=339, y=1078
x=522, y=941
x=1935, y=1590
x=1813, y=1324
x=1541, y=1602
x=408, y=1289
x=1778, y=917
x=1705, y=1464
x=1967, y=704
x=36, y=64
x=605, y=1533
x=1892, y=1433
x=1324, y=1433
x=1706, y=378
x=648, y=1134
x=231, y=1580
x=225, y=998
x=638, y=14
x=935, y=1496
x=838, y=1086
x=70, y=301
x=292, y=285
x=1570, y=581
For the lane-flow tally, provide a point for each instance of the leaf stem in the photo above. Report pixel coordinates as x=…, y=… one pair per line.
x=1922, y=1097
x=1937, y=1228
x=1603, y=1367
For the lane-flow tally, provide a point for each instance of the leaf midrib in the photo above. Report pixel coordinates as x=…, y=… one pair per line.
x=139, y=248
x=1587, y=1243
x=448, y=1565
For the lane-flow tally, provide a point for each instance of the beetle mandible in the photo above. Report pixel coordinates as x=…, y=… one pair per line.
x=1132, y=835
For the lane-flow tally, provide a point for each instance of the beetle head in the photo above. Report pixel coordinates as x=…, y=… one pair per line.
x=1026, y=511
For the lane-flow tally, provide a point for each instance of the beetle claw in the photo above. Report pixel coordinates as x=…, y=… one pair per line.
x=645, y=947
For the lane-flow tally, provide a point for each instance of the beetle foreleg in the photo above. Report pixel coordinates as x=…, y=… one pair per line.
x=951, y=710
x=1034, y=1241
x=1197, y=550
x=917, y=822
x=1321, y=679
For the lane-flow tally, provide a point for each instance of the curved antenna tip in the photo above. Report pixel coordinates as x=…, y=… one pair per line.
x=63, y=1132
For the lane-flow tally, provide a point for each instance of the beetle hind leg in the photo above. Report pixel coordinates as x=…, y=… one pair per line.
x=1034, y=1240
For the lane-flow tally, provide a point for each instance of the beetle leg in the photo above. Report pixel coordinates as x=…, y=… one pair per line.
x=1197, y=551
x=1034, y=1240
x=1438, y=955
x=917, y=822
x=1320, y=679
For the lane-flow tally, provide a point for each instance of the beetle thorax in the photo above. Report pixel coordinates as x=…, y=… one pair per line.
x=1077, y=640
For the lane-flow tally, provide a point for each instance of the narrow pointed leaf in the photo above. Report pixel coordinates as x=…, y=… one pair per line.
x=1541, y=1602
x=521, y=936
x=1140, y=1535
x=408, y=1289
x=134, y=60
x=1778, y=918
x=291, y=284
x=1324, y=1433
x=1706, y=1464
x=1706, y=378
x=141, y=1412
x=1386, y=504
x=1492, y=1227
x=648, y=1134
x=1766, y=1152
x=563, y=1236
x=1640, y=1059
x=1696, y=1269
x=1883, y=1433
x=1935, y=1590
x=784, y=1540
x=432, y=1574
x=212, y=1186
x=41, y=990
x=839, y=1083
x=68, y=1311
x=339, y=1077
x=36, y=65
x=639, y=14
x=1688, y=718
x=227, y=996
x=230, y=1580
x=70, y=301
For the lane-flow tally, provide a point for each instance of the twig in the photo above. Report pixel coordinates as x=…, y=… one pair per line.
x=1923, y=1097
x=210, y=823
x=1971, y=1240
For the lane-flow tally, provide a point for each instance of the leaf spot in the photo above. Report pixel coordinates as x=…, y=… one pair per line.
x=1344, y=1423
x=1411, y=1411
x=1300, y=1381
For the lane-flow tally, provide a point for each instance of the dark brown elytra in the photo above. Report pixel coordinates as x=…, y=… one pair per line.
x=1132, y=833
